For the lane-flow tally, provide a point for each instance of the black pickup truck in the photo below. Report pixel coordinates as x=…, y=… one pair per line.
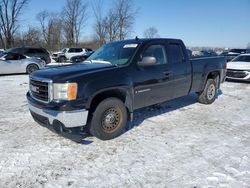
x=101, y=94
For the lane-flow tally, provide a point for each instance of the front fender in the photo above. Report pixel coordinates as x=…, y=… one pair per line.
x=101, y=85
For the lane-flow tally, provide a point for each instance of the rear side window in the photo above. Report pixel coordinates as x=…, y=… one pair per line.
x=75, y=50
x=40, y=51
x=157, y=51
x=175, y=53
x=30, y=51
x=78, y=50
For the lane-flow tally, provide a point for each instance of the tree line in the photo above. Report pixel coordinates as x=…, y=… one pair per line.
x=64, y=28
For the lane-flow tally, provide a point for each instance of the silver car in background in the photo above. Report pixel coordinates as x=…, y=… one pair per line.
x=11, y=63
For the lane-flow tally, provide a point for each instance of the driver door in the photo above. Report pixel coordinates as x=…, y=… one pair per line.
x=153, y=84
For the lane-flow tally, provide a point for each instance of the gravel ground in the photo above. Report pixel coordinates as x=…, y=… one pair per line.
x=180, y=144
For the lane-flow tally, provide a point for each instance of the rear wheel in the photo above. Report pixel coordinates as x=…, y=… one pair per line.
x=209, y=93
x=109, y=119
x=31, y=68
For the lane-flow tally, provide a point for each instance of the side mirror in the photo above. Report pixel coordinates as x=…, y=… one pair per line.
x=147, y=61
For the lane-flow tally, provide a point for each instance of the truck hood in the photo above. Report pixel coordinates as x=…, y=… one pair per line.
x=65, y=72
x=238, y=65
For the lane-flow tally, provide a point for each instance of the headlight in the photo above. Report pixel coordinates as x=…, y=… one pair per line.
x=66, y=91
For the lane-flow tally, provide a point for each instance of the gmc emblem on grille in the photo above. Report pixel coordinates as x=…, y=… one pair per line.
x=34, y=89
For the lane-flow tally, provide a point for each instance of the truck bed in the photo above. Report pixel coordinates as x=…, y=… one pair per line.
x=201, y=66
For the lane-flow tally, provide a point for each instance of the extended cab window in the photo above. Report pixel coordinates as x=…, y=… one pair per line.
x=175, y=53
x=157, y=51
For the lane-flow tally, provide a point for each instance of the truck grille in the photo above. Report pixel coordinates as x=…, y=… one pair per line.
x=39, y=90
x=236, y=73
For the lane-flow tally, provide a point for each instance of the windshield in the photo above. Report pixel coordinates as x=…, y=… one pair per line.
x=117, y=53
x=245, y=58
x=13, y=50
x=64, y=50
x=240, y=51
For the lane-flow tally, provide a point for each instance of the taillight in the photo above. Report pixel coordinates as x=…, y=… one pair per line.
x=225, y=66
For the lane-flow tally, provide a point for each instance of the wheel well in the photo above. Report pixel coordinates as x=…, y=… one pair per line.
x=30, y=65
x=216, y=76
x=116, y=93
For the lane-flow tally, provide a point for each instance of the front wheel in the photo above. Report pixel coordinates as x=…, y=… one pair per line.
x=31, y=68
x=209, y=94
x=109, y=119
x=62, y=59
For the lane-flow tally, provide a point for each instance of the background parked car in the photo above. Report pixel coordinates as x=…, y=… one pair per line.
x=204, y=53
x=239, y=68
x=67, y=53
x=11, y=63
x=81, y=58
x=32, y=52
x=231, y=54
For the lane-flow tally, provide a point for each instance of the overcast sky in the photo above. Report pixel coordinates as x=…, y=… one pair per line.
x=214, y=23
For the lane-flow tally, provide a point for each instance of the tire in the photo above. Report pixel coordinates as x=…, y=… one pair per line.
x=109, y=119
x=31, y=68
x=209, y=94
x=62, y=59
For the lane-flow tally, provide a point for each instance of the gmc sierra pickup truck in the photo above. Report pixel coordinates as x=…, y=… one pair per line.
x=101, y=94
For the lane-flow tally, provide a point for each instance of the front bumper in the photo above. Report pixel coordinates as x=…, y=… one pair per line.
x=69, y=124
x=238, y=75
x=70, y=119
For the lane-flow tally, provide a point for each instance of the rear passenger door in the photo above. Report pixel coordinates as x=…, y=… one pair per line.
x=181, y=69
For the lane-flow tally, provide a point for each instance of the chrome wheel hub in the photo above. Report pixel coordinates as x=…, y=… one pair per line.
x=111, y=119
x=211, y=92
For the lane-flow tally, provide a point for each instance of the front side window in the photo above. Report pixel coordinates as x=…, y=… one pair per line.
x=157, y=51
x=11, y=57
x=72, y=50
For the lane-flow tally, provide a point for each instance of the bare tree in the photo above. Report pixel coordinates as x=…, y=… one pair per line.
x=43, y=18
x=32, y=37
x=125, y=12
x=118, y=22
x=10, y=11
x=151, y=32
x=111, y=26
x=51, y=28
x=99, y=25
x=75, y=16
x=248, y=45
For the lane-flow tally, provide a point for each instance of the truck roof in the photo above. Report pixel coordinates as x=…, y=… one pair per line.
x=141, y=40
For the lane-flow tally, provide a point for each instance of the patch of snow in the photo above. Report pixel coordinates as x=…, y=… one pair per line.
x=179, y=144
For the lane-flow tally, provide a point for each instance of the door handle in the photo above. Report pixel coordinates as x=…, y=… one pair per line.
x=167, y=73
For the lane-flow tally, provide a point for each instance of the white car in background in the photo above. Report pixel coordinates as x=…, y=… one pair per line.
x=67, y=53
x=239, y=68
x=11, y=63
